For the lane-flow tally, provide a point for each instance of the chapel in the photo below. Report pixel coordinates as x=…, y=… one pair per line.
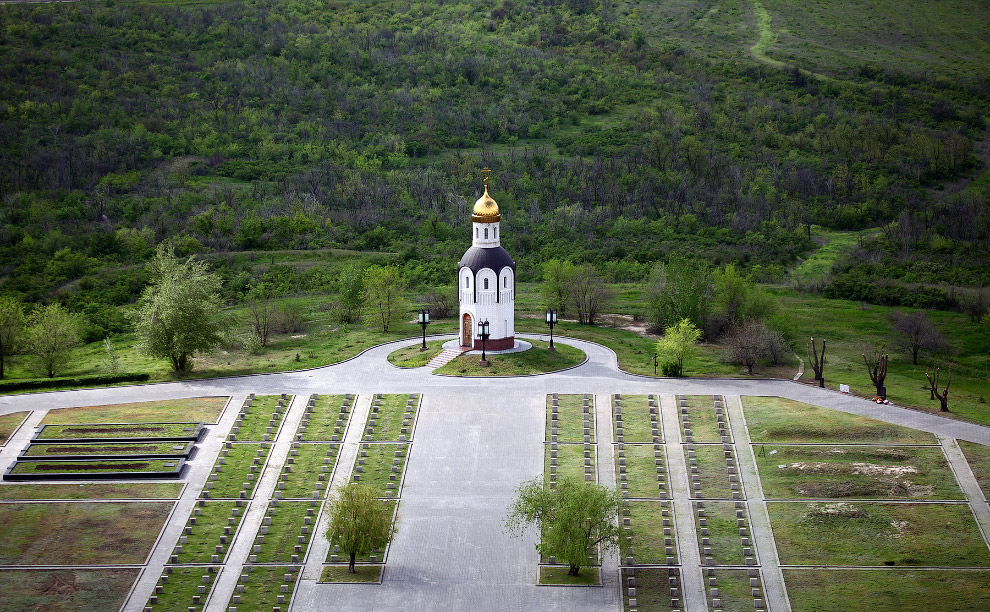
x=486, y=281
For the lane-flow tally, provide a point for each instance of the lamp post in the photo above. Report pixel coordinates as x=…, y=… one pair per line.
x=483, y=328
x=551, y=321
x=424, y=320
x=656, y=361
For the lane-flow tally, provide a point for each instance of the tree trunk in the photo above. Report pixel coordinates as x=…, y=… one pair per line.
x=914, y=354
x=573, y=571
x=944, y=400
x=350, y=565
x=1, y=365
x=821, y=382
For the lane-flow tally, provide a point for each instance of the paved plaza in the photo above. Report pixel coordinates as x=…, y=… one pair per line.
x=475, y=440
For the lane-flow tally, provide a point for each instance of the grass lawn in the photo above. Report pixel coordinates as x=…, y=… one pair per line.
x=284, y=530
x=704, y=422
x=723, y=533
x=865, y=472
x=652, y=588
x=776, y=419
x=92, y=490
x=393, y=418
x=734, y=590
x=978, y=457
x=264, y=588
x=815, y=268
x=711, y=471
x=649, y=545
x=109, y=449
x=851, y=328
x=260, y=419
x=877, y=533
x=81, y=468
x=321, y=423
x=80, y=533
x=362, y=573
x=233, y=469
x=373, y=466
x=84, y=431
x=306, y=465
x=413, y=357
x=587, y=576
x=183, y=588
x=10, y=422
x=206, y=525
x=202, y=409
x=65, y=590
x=635, y=352
x=887, y=590
x=638, y=424
x=570, y=461
x=536, y=360
x=571, y=419
x=642, y=470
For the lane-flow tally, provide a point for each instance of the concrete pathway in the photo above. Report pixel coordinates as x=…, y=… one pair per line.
x=970, y=486
x=475, y=441
x=759, y=518
x=692, y=582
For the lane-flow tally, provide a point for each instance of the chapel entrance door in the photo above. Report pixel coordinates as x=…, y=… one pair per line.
x=467, y=327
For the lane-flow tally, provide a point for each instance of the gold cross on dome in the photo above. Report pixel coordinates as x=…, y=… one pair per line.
x=486, y=172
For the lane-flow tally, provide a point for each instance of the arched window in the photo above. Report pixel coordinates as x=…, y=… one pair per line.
x=467, y=282
x=475, y=232
x=486, y=283
x=486, y=233
x=505, y=282
x=496, y=232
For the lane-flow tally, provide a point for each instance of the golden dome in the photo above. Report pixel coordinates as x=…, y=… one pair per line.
x=486, y=210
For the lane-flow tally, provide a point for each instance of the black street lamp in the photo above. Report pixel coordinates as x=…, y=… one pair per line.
x=424, y=320
x=483, y=328
x=551, y=321
x=656, y=361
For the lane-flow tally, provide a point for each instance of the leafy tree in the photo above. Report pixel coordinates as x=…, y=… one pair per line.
x=589, y=293
x=573, y=518
x=916, y=333
x=556, y=287
x=384, y=296
x=359, y=522
x=679, y=290
x=351, y=291
x=677, y=343
x=52, y=333
x=737, y=299
x=178, y=314
x=11, y=328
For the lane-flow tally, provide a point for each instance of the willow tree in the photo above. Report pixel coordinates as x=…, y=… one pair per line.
x=574, y=519
x=359, y=522
x=179, y=313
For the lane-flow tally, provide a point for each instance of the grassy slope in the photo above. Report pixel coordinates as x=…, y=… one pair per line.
x=948, y=37
x=850, y=329
x=816, y=267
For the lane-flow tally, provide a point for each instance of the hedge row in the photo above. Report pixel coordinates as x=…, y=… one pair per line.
x=7, y=386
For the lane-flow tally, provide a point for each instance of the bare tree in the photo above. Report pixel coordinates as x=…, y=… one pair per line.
x=943, y=397
x=748, y=344
x=818, y=362
x=916, y=333
x=441, y=303
x=777, y=345
x=589, y=294
x=262, y=311
x=975, y=304
x=876, y=366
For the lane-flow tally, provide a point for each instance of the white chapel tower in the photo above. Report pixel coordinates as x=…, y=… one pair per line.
x=486, y=281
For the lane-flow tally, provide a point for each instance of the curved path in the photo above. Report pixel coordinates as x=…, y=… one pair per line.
x=475, y=440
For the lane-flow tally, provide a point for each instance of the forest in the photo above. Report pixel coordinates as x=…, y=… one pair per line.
x=284, y=141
